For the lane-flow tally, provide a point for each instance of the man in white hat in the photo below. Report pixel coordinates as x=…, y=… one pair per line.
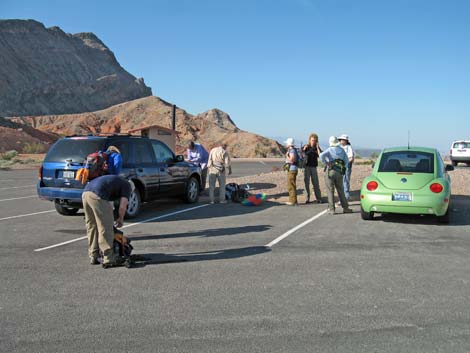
x=336, y=162
x=292, y=158
x=346, y=145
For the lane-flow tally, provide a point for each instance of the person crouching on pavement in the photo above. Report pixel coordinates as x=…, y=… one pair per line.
x=346, y=145
x=336, y=162
x=99, y=218
x=292, y=158
x=312, y=151
x=197, y=154
x=217, y=164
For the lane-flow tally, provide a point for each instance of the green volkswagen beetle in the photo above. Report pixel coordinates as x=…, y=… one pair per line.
x=408, y=181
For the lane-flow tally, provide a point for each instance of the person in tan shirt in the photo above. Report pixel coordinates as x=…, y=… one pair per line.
x=218, y=163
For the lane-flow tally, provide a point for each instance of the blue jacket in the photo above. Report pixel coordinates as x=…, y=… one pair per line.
x=114, y=163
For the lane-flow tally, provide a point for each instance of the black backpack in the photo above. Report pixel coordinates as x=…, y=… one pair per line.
x=235, y=193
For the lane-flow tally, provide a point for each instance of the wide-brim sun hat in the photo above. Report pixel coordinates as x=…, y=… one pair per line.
x=289, y=141
x=333, y=141
x=343, y=137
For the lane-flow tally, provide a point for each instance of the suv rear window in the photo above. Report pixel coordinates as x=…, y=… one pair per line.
x=76, y=149
x=461, y=145
x=407, y=161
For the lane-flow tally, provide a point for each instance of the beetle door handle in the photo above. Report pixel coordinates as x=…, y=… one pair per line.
x=140, y=170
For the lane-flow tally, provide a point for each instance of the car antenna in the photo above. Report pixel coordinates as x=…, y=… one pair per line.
x=408, y=139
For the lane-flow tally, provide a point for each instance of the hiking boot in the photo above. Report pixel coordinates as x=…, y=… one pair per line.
x=94, y=260
x=291, y=203
x=307, y=202
x=347, y=210
x=118, y=261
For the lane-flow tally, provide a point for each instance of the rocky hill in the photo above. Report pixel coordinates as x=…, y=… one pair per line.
x=210, y=128
x=46, y=71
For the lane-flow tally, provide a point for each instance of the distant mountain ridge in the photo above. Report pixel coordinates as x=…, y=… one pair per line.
x=47, y=71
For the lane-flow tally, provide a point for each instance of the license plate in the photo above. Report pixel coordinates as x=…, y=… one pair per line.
x=68, y=174
x=401, y=196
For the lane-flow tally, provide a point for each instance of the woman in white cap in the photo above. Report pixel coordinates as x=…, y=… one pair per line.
x=346, y=145
x=292, y=158
x=336, y=162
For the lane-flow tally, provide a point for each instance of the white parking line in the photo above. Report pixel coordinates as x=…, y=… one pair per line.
x=18, y=198
x=296, y=228
x=25, y=215
x=18, y=187
x=125, y=226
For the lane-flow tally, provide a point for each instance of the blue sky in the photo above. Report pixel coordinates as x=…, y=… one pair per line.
x=371, y=69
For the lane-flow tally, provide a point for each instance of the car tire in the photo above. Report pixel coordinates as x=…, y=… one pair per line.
x=445, y=219
x=367, y=216
x=135, y=202
x=191, y=193
x=64, y=210
x=454, y=163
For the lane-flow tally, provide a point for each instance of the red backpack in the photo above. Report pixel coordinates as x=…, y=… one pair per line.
x=97, y=164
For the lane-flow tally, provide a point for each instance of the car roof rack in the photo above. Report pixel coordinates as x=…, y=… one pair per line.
x=103, y=134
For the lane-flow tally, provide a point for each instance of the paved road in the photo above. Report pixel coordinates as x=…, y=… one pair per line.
x=210, y=283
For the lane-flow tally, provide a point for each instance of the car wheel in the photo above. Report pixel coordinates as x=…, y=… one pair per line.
x=191, y=194
x=135, y=202
x=444, y=218
x=454, y=163
x=64, y=210
x=367, y=216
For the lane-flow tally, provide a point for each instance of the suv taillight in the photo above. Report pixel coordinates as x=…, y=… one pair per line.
x=40, y=173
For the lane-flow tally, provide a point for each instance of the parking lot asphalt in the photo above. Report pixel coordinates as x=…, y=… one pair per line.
x=207, y=281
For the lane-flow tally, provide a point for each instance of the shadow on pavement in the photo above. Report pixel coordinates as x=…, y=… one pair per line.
x=206, y=233
x=141, y=260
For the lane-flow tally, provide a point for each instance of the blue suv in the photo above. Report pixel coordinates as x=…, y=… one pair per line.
x=150, y=164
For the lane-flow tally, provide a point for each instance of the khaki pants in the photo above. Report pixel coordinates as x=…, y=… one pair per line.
x=292, y=186
x=334, y=179
x=310, y=173
x=99, y=225
x=213, y=176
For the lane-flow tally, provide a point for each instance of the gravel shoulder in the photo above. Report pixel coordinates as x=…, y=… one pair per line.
x=274, y=184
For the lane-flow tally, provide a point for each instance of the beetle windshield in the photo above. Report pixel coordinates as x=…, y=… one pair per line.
x=407, y=161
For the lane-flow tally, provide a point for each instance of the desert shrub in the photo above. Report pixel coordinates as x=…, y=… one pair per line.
x=34, y=148
x=374, y=155
x=9, y=155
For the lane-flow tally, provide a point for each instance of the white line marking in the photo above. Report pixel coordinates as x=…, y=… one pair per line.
x=126, y=226
x=25, y=215
x=296, y=228
x=18, y=187
x=18, y=198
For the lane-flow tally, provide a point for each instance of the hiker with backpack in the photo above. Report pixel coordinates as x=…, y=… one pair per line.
x=217, y=164
x=97, y=197
x=292, y=162
x=336, y=163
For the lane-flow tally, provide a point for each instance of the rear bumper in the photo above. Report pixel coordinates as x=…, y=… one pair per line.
x=66, y=196
x=460, y=158
x=380, y=203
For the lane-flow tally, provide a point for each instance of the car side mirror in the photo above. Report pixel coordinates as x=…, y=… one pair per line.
x=449, y=168
x=179, y=158
x=372, y=165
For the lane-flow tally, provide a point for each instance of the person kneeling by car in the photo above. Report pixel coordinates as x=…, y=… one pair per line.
x=99, y=217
